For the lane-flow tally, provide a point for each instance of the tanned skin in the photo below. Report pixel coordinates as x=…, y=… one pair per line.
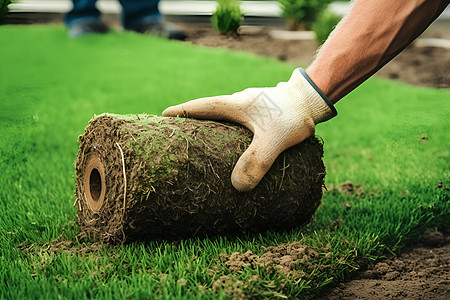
x=372, y=34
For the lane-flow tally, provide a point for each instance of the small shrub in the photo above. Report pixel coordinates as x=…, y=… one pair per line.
x=228, y=16
x=324, y=25
x=302, y=13
x=3, y=9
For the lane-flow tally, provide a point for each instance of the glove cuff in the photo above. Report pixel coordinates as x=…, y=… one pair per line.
x=320, y=107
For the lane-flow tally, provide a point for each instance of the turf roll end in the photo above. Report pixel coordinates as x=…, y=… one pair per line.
x=144, y=177
x=94, y=183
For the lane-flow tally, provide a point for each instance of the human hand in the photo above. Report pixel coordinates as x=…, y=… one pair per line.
x=279, y=117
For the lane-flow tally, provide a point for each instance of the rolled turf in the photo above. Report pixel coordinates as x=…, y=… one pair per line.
x=143, y=177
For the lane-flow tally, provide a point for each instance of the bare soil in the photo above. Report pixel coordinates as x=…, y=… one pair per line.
x=425, y=66
x=282, y=260
x=421, y=272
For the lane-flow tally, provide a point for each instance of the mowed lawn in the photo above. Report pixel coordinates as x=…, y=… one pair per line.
x=391, y=138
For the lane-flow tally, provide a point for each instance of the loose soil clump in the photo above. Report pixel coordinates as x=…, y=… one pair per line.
x=142, y=177
x=422, y=272
x=282, y=259
x=287, y=262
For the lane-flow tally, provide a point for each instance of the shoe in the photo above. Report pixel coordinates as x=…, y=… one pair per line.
x=161, y=28
x=88, y=27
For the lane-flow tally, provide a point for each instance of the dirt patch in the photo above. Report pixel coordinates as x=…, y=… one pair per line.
x=347, y=188
x=58, y=246
x=257, y=40
x=230, y=286
x=421, y=272
x=286, y=262
x=62, y=244
x=418, y=66
x=283, y=259
x=425, y=66
x=350, y=189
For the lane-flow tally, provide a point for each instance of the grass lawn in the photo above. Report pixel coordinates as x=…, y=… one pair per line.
x=391, y=138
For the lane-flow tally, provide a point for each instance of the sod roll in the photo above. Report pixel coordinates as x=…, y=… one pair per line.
x=143, y=177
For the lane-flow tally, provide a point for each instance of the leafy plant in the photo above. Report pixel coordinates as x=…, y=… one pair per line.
x=228, y=16
x=3, y=9
x=302, y=13
x=324, y=25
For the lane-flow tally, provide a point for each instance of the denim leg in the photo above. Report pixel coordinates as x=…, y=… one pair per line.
x=135, y=12
x=83, y=10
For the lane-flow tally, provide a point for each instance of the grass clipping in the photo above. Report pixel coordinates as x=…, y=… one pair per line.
x=144, y=177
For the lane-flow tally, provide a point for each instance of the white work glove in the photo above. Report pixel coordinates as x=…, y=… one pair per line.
x=279, y=117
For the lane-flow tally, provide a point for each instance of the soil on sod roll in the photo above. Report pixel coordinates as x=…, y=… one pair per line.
x=143, y=177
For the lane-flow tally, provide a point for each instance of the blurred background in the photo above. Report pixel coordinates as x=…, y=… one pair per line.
x=289, y=30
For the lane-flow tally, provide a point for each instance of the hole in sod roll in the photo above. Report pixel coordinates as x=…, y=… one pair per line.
x=94, y=183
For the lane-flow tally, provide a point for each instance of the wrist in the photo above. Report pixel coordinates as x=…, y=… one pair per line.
x=312, y=99
x=319, y=91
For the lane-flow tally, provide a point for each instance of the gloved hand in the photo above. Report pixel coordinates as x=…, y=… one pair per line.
x=279, y=117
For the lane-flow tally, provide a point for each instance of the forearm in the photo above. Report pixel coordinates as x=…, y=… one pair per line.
x=373, y=33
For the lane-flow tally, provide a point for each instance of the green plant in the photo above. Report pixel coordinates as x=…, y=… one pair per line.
x=324, y=25
x=228, y=16
x=302, y=13
x=3, y=9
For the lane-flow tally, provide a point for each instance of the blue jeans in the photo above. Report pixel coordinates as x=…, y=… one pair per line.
x=134, y=12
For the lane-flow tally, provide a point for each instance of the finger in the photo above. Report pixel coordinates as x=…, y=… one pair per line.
x=254, y=163
x=265, y=147
x=222, y=108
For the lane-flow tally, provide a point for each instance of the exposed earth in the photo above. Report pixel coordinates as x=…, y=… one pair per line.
x=425, y=66
x=420, y=272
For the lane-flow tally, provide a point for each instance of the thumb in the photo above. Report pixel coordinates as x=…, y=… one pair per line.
x=254, y=163
x=265, y=147
x=214, y=108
